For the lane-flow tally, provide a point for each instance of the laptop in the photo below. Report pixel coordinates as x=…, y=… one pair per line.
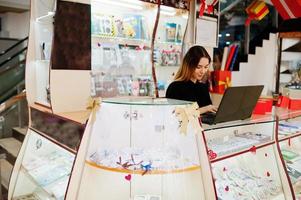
x=237, y=104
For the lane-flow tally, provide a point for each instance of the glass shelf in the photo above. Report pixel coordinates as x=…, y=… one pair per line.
x=145, y=101
x=45, y=170
x=121, y=41
x=255, y=119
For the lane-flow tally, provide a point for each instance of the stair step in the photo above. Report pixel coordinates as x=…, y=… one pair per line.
x=11, y=145
x=19, y=133
x=6, y=170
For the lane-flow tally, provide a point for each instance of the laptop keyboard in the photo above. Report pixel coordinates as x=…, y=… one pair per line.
x=208, y=118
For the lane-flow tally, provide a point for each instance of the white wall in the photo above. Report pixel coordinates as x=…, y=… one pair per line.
x=260, y=68
x=17, y=24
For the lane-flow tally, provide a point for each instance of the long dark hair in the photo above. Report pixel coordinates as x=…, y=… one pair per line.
x=190, y=62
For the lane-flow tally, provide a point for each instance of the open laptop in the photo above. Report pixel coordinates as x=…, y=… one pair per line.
x=237, y=104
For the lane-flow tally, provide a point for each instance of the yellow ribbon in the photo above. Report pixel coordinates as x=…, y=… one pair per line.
x=93, y=105
x=189, y=114
x=227, y=83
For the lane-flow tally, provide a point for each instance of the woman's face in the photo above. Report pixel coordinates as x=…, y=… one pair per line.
x=201, y=70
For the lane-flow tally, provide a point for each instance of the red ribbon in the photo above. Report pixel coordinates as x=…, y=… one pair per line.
x=252, y=16
x=209, y=8
x=202, y=7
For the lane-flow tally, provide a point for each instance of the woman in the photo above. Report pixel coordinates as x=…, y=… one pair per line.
x=191, y=80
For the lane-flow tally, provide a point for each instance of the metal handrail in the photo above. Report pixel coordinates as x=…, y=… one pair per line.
x=13, y=56
x=13, y=46
x=4, y=69
x=12, y=101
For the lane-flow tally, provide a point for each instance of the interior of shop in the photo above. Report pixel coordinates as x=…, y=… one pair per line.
x=88, y=110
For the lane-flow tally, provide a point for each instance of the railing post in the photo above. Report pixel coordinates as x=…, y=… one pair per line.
x=247, y=40
x=19, y=106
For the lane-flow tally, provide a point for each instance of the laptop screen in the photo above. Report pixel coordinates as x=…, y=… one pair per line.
x=238, y=103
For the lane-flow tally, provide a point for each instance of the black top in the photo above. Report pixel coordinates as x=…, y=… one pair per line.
x=189, y=91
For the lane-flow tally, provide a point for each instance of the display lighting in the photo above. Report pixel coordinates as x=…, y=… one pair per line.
x=219, y=35
x=49, y=14
x=227, y=43
x=165, y=10
x=227, y=34
x=133, y=4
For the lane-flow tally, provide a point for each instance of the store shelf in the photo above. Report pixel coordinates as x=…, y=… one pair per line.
x=177, y=44
x=121, y=41
x=287, y=137
x=239, y=151
x=151, y=172
x=47, y=190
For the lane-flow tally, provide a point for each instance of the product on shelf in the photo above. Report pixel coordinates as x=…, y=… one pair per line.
x=287, y=128
x=232, y=144
x=242, y=183
x=137, y=159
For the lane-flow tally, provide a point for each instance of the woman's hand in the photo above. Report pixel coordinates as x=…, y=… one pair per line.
x=209, y=108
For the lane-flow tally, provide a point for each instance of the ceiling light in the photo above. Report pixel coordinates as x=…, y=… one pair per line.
x=121, y=4
x=168, y=13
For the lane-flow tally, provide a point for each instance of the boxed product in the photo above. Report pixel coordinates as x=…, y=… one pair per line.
x=220, y=81
x=294, y=104
x=263, y=105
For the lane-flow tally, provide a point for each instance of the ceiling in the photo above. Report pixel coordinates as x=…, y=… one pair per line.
x=14, y=6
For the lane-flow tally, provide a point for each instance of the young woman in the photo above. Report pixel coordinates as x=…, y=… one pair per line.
x=191, y=82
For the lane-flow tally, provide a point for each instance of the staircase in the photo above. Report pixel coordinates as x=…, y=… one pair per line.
x=10, y=146
x=260, y=68
x=13, y=128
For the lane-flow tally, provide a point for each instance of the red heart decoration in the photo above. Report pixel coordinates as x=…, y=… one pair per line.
x=253, y=149
x=128, y=177
x=227, y=188
x=212, y=154
x=268, y=174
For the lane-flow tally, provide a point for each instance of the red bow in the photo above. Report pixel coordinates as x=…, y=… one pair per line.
x=209, y=8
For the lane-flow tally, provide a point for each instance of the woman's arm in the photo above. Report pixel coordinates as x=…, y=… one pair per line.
x=209, y=108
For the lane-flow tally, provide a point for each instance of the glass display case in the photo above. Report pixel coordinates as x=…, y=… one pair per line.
x=44, y=164
x=45, y=170
x=121, y=47
x=136, y=148
x=39, y=49
x=289, y=137
x=244, y=160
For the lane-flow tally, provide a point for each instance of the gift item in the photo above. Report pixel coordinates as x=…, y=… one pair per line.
x=254, y=136
x=288, y=155
x=256, y=11
x=283, y=102
x=294, y=104
x=171, y=29
x=288, y=9
x=220, y=81
x=170, y=57
x=231, y=145
x=103, y=25
x=260, y=108
x=242, y=183
x=263, y=106
x=286, y=128
x=143, y=160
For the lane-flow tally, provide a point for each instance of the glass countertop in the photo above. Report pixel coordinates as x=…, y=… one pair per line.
x=145, y=101
x=280, y=113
